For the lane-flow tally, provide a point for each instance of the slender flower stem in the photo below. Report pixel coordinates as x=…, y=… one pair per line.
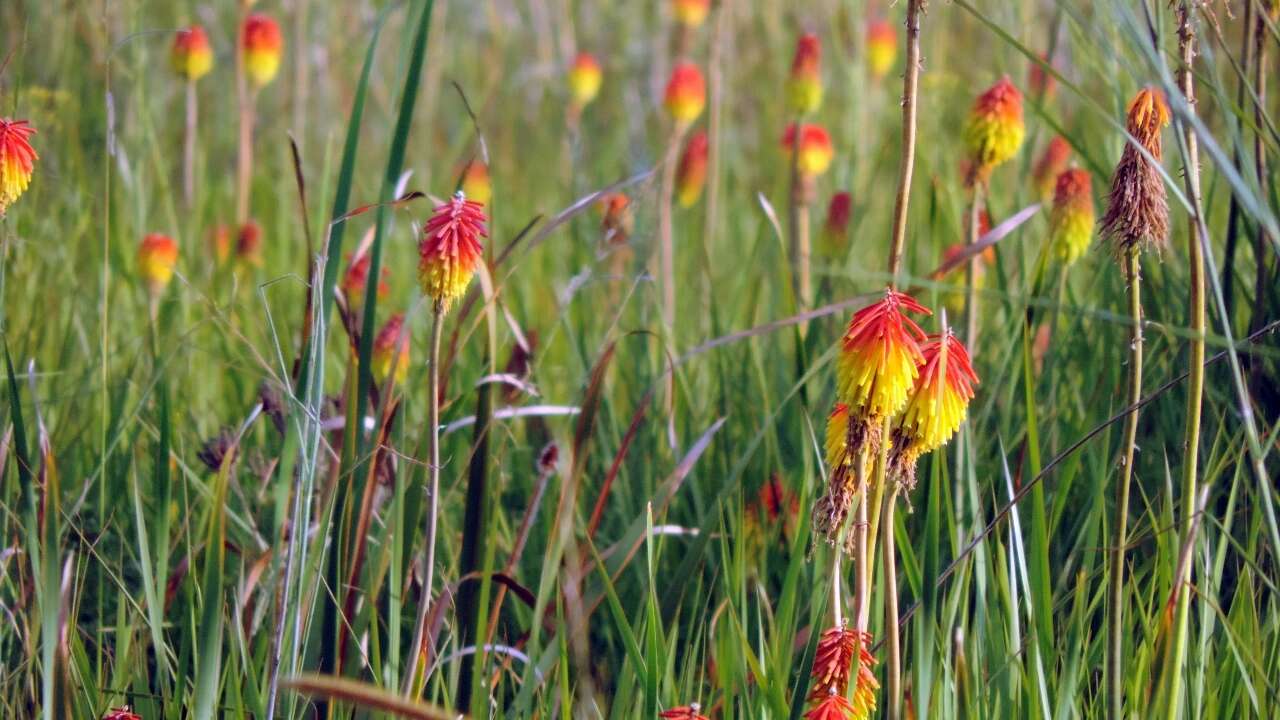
x=798, y=226
x=862, y=578
x=244, y=98
x=893, y=650
x=910, y=85
x=666, y=247
x=189, y=148
x=837, y=611
x=1195, y=383
x=433, y=472
x=1115, y=620
x=971, y=275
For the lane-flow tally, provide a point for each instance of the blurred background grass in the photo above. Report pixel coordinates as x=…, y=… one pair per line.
x=718, y=607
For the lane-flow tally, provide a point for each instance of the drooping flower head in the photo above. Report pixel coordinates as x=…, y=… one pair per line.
x=843, y=656
x=882, y=48
x=691, y=173
x=157, y=256
x=1056, y=158
x=1137, y=209
x=937, y=406
x=355, y=281
x=692, y=711
x=450, y=250
x=617, y=221
x=263, y=46
x=686, y=94
x=391, y=350
x=816, y=150
x=475, y=182
x=995, y=128
x=879, y=354
x=17, y=160
x=192, y=57
x=691, y=13
x=804, y=87
x=585, y=78
x=835, y=231
x=1071, y=220
x=249, y=244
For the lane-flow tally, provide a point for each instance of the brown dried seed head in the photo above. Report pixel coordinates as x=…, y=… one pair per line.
x=1137, y=207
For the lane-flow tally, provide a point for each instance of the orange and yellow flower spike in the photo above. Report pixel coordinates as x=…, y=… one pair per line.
x=192, y=57
x=263, y=46
x=995, y=130
x=686, y=95
x=882, y=48
x=1056, y=158
x=17, y=160
x=585, y=79
x=475, y=182
x=816, y=150
x=804, y=87
x=249, y=244
x=1138, y=209
x=938, y=403
x=391, y=350
x=617, y=221
x=691, y=13
x=355, y=281
x=877, y=366
x=450, y=250
x=835, y=231
x=1071, y=220
x=842, y=657
x=157, y=256
x=691, y=173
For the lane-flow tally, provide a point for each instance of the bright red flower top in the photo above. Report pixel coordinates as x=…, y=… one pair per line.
x=17, y=160
x=450, y=250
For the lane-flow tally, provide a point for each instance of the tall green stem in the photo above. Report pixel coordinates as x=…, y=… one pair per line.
x=893, y=649
x=1115, y=620
x=1195, y=380
x=433, y=474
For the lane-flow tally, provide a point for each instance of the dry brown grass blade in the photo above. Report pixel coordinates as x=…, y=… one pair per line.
x=364, y=695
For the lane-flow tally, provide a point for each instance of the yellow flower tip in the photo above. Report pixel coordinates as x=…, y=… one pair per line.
x=995, y=130
x=804, y=86
x=17, y=160
x=882, y=48
x=940, y=399
x=585, y=79
x=686, y=94
x=476, y=184
x=391, y=351
x=263, y=46
x=192, y=57
x=691, y=173
x=157, y=257
x=880, y=352
x=838, y=437
x=691, y=13
x=450, y=249
x=1071, y=219
x=816, y=150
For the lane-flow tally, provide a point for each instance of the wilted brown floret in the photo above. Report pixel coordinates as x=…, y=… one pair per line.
x=216, y=448
x=1137, y=209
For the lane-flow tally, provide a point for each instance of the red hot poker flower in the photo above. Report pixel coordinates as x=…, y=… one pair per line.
x=263, y=46
x=192, y=57
x=879, y=355
x=450, y=250
x=691, y=173
x=17, y=160
x=686, y=94
x=804, y=87
x=691, y=711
